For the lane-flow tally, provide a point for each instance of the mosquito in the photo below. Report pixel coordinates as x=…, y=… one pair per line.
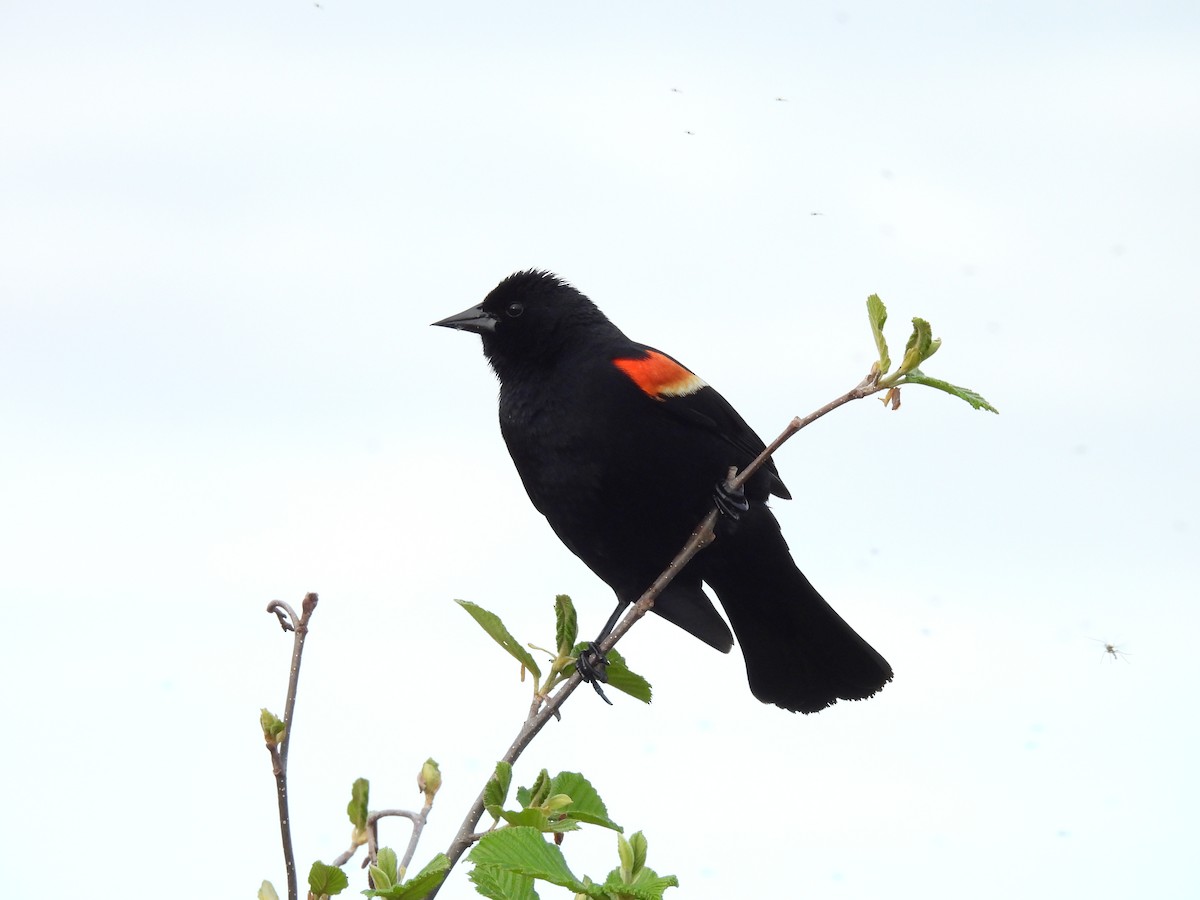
x=1112, y=650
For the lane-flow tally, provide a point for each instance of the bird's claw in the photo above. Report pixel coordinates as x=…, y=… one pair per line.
x=592, y=665
x=730, y=502
x=593, y=668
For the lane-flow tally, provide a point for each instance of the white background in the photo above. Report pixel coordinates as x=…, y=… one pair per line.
x=224, y=229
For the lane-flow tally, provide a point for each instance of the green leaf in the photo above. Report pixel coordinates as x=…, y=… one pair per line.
x=267, y=892
x=646, y=885
x=626, y=853
x=525, y=852
x=557, y=804
x=537, y=817
x=388, y=866
x=637, y=841
x=633, y=879
x=356, y=809
x=272, y=727
x=877, y=313
x=327, y=880
x=495, y=792
x=916, y=376
x=491, y=623
x=501, y=884
x=380, y=879
x=619, y=675
x=536, y=795
x=921, y=345
x=566, y=624
x=433, y=874
x=625, y=680
x=586, y=805
x=419, y=885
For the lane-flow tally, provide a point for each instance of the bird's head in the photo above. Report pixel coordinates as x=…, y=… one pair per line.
x=530, y=317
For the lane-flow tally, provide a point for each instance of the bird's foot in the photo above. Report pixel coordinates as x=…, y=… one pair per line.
x=593, y=668
x=731, y=503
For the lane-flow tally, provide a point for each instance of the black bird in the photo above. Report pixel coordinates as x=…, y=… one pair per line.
x=620, y=446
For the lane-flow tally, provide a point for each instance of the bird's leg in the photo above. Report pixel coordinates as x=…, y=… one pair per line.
x=730, y=504
x=591, y=664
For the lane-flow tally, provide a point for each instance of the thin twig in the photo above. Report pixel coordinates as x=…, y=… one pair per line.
x=345, y=857
x=373, y=830
x=284, y=613
x=418, y=820
x=285, y=825
x=384, y=813
x=299, y=626
x=701, y=537
x=529, y=730
x=418, y=826
x=307, y=608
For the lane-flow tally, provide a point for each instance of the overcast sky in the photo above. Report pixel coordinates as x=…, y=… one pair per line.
x=225, y=228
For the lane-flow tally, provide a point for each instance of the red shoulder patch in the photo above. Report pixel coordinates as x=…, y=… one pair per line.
x=660, y=376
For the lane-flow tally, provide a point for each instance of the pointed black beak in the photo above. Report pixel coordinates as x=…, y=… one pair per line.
x=473, y=319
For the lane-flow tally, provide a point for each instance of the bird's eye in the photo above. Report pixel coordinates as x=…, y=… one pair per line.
x=515, y=309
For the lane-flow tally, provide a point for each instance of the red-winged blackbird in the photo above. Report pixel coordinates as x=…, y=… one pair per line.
x=619, y=447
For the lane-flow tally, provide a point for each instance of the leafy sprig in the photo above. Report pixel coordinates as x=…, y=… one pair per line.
x=563, y=657
x=920, y=346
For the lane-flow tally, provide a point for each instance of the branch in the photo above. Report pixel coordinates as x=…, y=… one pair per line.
x=285, y=825
x=402, y=813
x=418, y=821
x=373, y=835
x=300, y=628
x=279, y=750
x=345, y=857
x=701, y=537
x=703, y=533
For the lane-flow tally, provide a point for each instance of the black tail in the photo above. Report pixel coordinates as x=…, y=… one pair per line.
x=800, y=654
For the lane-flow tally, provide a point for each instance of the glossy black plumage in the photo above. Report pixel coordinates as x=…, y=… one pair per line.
x=620, y=447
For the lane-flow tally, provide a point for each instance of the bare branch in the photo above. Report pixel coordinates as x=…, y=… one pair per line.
x=287, y=616
x=864, y=388
x=384, y=813
x=418, y=820
x=299, y=626
x=285, y=825
x=418, y=827
x=346, y=856
x=301, y=629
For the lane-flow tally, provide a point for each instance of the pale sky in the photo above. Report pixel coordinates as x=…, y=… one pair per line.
x=226, y=228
